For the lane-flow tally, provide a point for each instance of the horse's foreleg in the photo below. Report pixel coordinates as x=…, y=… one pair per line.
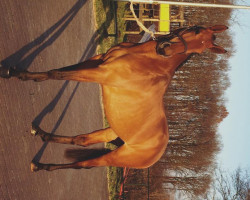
x=104, y=135
x=124, y=156
x=85, y=71
x=26, y=75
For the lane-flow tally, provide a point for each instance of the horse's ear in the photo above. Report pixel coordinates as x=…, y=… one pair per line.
x=218, y=28
x=217, y=49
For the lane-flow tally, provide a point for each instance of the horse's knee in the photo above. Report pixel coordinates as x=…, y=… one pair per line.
x=52, y=74
x=58, y=75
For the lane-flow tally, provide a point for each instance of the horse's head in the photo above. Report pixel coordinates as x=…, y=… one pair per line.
x=190, y=40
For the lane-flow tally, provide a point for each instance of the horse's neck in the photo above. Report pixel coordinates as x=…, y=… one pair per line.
x=147, y=47
x=176, y=61
x=168, y=64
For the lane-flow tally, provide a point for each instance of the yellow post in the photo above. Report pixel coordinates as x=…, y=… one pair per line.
x=164, y=25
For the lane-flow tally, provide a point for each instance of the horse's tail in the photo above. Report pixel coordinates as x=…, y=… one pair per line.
x=77, y=155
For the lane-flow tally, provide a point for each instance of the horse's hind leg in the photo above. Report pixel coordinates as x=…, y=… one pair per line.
x=124, y=156
x=104, y=135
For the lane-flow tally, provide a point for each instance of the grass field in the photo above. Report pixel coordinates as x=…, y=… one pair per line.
x=110, y=28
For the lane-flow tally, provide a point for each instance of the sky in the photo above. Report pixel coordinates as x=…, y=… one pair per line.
x=235, y=129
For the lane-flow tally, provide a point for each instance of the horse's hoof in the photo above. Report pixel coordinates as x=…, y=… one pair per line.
x=34, y=167
x=4, y=72
x=34, y=130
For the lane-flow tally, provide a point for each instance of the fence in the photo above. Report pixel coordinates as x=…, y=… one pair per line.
x=128, y=184
x=162, y=15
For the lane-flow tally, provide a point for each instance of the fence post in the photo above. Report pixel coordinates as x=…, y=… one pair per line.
x=148, y=183
x=190, y=4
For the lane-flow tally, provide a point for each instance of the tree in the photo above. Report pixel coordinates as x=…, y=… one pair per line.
x=230, y=186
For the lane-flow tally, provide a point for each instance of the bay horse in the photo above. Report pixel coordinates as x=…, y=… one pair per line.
x=134, y=78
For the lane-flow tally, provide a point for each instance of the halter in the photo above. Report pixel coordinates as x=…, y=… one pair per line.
x=164, y=41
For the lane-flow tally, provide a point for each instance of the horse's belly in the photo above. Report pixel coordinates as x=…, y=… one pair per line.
x=130, y=112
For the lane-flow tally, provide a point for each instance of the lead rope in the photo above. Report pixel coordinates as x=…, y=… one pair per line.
x=140, y=23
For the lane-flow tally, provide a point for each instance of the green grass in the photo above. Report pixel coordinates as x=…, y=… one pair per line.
x=109, y=23
x=115, y=176
x=110, y=29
